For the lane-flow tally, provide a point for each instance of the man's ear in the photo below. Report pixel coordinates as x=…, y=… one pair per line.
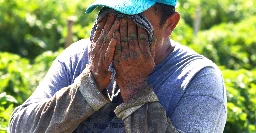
x=171, y=23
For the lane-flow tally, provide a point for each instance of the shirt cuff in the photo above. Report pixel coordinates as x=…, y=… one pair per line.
x=89, y=90
x=143, y=96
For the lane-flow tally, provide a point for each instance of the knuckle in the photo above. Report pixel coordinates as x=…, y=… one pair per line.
x=123, y=39
x=118, y=47
x=142, y=37
x=106, y=39
x=132, y=36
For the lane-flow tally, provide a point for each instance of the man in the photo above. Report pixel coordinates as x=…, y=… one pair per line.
x=129, y=77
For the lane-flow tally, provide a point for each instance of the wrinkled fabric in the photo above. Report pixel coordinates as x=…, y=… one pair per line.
x=63, y=112
x=139, y=19
x=188, y=86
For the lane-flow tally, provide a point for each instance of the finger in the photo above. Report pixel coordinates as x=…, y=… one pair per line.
x=110, y=52
x=107, y=26
x=99, y=28
x=117, y=53
x=143, y=40
x=132, y=38
x=109, y=36
x=90, y=50
x=123, y=34
x=153, y=48
x=114, y=28
x=99, y=44
x=109, y=23
x=107, y=39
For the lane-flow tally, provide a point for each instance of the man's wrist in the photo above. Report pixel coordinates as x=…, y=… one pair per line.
x=89, y=90
x=130, y=89
x=143, y=96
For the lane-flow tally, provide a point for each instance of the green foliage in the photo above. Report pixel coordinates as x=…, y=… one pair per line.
x=241, y=94
x=34, y=29
x=229, y=45
x=14, y=76
x=30, y=27
x=18, y=80
x=216, y=11
x=7, y=103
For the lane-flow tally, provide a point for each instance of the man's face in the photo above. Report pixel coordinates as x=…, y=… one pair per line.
x=154, y=19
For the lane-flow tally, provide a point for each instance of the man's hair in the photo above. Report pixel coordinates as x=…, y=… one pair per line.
x=164, y=11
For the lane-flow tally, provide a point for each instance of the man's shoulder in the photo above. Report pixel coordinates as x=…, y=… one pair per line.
x=75, y=50
x=181, y=67
x=191, y=63
x=184, y=56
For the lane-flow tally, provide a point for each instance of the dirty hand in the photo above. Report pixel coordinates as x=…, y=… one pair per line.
x=133, y=59
x=102, y=50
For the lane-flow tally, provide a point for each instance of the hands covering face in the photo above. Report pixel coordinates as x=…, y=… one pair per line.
x=102, y=50
x=133, y=58
x=127, y=45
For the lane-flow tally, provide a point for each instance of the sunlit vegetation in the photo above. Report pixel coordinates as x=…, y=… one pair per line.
x=33, y=33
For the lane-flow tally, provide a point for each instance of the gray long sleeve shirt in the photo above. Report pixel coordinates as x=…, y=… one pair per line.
x=189, y=88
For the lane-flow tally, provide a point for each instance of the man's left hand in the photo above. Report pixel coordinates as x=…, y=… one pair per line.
x=133, y=59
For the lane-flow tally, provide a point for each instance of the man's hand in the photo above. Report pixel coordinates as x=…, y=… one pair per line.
x=133, y=59
x=102, y=50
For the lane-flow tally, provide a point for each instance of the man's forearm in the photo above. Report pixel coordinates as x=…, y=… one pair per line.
x=143, y=113
x=62, y=113
x=150, y=118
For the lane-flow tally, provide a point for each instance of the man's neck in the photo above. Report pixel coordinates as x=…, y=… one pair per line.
x=163, y=50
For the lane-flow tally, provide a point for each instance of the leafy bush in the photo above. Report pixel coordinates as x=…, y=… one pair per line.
x=216, y=11
x=14, y=84
x=241, y=94
x=14, y=76
x=30, y=27
x=7, y=103
x=229, y=45
x=19, y=78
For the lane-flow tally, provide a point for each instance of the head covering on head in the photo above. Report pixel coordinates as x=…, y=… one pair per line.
x=129, y=7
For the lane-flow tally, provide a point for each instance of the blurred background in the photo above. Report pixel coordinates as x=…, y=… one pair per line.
x=34, y=32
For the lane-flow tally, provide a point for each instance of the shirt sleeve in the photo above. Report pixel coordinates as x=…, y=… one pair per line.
x=143, y=113
x=63, y=71
x=202, y=108
x=61, y=113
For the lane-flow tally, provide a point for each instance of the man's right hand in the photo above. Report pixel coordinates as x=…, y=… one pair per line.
x=102, y=50
x=133, y=59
